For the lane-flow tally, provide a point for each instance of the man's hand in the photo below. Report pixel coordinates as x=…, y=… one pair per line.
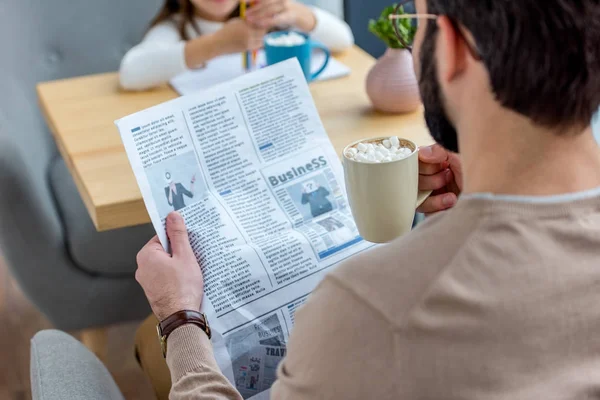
x=441, y=171
x=171, y=283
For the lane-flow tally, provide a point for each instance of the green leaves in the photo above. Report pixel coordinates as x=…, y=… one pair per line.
x=383, y=28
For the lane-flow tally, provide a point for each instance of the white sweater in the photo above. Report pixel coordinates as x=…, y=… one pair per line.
x=160, y=56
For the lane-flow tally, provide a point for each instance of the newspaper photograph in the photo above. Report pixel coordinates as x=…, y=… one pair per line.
x=249, y=166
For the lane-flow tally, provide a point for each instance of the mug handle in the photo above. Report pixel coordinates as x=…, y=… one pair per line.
x=317, y=45
x=422, y=196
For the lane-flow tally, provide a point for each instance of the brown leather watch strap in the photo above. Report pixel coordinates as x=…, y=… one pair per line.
x=180, y=318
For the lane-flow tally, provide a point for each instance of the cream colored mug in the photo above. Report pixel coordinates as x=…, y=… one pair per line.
x=384, y=196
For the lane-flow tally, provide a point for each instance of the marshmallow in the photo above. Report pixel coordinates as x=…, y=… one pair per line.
x=286, y=40
x=382, y=150
x=351, y=152
x=386, y=151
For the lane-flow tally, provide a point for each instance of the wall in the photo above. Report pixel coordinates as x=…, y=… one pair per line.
x=358, y=13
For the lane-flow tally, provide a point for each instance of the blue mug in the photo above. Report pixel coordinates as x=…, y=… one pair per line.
x=302, y=52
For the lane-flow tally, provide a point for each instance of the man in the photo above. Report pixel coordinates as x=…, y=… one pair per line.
x=175, y=191
x=316, y=197
x=496, y=298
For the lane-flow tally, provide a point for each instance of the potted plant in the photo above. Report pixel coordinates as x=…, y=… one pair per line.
x=391, y=84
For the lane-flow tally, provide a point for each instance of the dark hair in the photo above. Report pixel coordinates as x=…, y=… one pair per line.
x=543, y=56
x=186, y=10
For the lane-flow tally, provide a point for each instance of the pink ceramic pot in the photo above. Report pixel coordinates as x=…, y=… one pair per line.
x=392, y=85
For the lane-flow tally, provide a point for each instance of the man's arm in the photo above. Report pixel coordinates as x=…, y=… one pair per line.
x=340, y=345
x=194, y=370
x=174, y=283
x=339, y=341
x=304, y=199
x=188, y=193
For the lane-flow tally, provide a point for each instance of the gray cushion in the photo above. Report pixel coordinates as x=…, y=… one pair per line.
x=109, y=253
x=63, y=369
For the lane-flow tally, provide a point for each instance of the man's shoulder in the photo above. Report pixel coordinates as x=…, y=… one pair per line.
x=393, y=277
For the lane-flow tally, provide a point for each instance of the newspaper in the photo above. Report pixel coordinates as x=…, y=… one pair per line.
x=250, y=168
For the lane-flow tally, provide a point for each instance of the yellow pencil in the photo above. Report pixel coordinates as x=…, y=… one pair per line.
x=254, y=52
x=245, y=55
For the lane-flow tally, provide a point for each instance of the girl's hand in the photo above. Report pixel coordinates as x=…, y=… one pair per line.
x=237, y=36
x=281, y=13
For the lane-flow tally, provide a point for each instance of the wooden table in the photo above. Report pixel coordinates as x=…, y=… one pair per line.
x=81, y=111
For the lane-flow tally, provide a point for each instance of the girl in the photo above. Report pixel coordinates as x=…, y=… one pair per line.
x=187, y=33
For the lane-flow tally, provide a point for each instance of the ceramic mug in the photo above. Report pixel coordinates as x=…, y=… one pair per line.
x=302, y=52
x=384, y=196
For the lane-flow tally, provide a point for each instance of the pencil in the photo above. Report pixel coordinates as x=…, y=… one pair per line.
x=245, y=55
x=254, y=52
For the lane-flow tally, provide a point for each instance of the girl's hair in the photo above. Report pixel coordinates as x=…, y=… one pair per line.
x=185, y=9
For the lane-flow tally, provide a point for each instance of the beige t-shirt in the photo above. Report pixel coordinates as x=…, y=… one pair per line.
x=498, y=298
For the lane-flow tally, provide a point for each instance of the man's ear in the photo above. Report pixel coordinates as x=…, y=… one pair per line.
x=451, y=49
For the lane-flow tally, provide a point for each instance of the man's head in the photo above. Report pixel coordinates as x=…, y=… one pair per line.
x=537, y=58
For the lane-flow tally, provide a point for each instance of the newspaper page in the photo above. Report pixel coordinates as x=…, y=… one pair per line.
x=249, y=166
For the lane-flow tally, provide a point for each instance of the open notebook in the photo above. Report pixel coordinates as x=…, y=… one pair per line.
x=225, y=68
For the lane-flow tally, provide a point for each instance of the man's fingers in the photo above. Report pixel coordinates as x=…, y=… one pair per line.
x=434, y=154
x=150, y=249
x=438, y=203
x=150, y=253
x=456, y=167
x=154, y=242
x=431, y=169
x=435, y=182
x=178, y=236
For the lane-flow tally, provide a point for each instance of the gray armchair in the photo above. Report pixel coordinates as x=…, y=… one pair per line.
x=63, y=369
x=77, y=277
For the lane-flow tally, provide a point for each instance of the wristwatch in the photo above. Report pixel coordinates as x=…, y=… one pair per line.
x=174, y=321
